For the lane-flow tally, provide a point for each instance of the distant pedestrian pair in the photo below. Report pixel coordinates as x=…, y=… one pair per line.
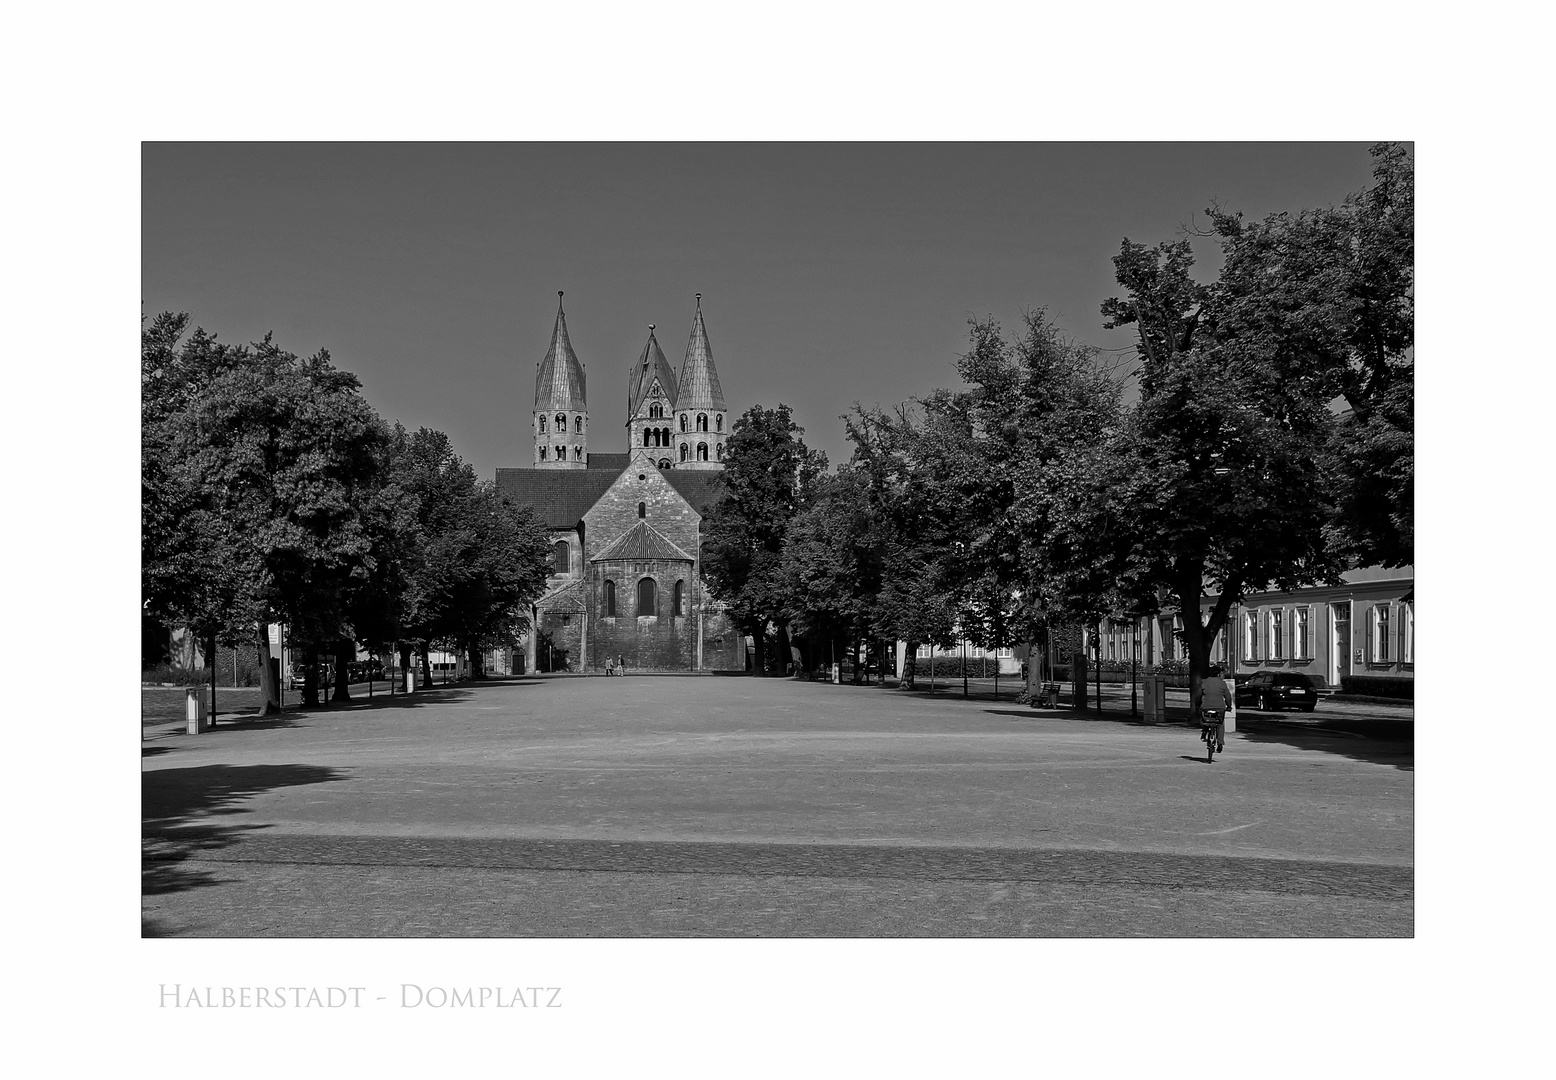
x=615, y=667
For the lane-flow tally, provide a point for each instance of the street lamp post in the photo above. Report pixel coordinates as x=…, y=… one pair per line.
x=1134, y=668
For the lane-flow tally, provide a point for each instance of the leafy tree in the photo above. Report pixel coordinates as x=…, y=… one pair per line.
x=831, y=568
x=769, y=474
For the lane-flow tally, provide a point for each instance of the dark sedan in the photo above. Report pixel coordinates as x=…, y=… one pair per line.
x=1270, y=690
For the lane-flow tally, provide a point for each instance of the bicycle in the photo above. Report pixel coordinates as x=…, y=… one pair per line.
x=1210, y=721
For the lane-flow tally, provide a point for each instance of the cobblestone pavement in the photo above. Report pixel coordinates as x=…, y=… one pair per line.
x=762, y=807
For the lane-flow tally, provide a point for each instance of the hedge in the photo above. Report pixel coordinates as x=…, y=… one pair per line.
x=1389, y=686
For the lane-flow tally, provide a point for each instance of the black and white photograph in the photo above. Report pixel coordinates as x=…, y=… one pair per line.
x=796, y=540
x=840, y=539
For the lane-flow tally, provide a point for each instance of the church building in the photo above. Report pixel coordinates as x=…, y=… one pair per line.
x=626, y=529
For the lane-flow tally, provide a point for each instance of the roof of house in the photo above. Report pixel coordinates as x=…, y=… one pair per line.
x=651, y=365
x=699, y=385
x=565, y=599
x=561, y=497
x=559, y=380
x=642, y=541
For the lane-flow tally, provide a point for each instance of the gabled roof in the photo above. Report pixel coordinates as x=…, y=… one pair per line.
x=559, y=381
x=701, y=488
x=561, y=497
x=651, y=365
x=699, y=385
x=642, y=541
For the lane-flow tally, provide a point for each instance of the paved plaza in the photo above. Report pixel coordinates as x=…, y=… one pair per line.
x=705, y=806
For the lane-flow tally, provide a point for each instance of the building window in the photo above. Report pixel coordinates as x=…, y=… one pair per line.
x=685, y=454
x=647, y=600
x=1277, y=635
x=683, y=423
x=1250, y=636
x=702, y=421
x=664, y=463
x=642, y=510
x=542, y=453
x=655, y=411
x=1180, y=647
x=1380, y=634
x=1301, y=646
x=718, y=451
x=561, y=423
x=678, y=605
x=1407, y=633
x=702, y=451
x=577, y=453
x=610, y=599
x=561, y=453
x=578, y=425
x=718, y=422
x=559, y=562
x=542, y=425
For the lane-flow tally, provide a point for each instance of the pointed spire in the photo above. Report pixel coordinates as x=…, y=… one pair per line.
x=699, y=384
x=651, y=364
x=559, y=381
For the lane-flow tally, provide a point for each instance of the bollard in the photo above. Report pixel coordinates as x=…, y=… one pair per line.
x=194, y=710
x=410, y=681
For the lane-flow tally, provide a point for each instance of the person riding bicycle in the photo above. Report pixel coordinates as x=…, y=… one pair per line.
x=1215, y=694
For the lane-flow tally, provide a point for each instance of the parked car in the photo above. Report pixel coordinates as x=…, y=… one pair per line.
x=1270, y=690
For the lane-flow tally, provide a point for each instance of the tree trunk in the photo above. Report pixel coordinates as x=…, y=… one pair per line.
x=212, y=662
x=477, y=671
x=858, y=666
x=426, y=663
x=311, y=676
x=405, y=649
x=909, y=665
x=1034, y=669
x=785, y=656
x=269, y=692
x=344, y=650
x=759, y=644
x=1078, y=678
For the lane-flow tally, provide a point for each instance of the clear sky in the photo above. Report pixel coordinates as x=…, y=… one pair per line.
x=831, y=273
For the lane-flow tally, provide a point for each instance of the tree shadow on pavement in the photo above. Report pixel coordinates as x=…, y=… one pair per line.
x=1396, y=749
x=176, y=805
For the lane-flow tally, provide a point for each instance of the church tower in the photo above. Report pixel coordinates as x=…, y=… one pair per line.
x=560, y=419
x=701, y=426
x=651, y=390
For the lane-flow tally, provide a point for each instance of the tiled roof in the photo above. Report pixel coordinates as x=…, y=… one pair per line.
x=699, y=386
x=700, y=488
x=650, y=365
x=559, y=381
x=561, y=497
x=642, y=541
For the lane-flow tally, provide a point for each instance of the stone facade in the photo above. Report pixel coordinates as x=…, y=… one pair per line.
x=627, y=528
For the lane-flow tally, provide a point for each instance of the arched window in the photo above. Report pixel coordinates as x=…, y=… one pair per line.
x=718, y=422
x=677, y=607
x=702, y=451
x=683, y=422
x=655, y=411
x=685, y=456
x=561, y=453
x=642, y=510
x=664, y=434
x=702, y=421
x=645, y=437
x=719, y=451
x=647, y=600
x=542, y=453
x=610, y=599
x=561, y=422
x=664, y=463
x=577, y=453
x=542, y=425
x=559, y=557
x=578, y=425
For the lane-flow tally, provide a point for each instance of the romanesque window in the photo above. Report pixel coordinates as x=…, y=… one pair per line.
x=664, y=436
x=577, y=453
x=642, y=510
x=683, y=422
x=656, y=411
x=610, y=599
x=645, y=437
x=647, y=601
x=542, y=425
x=680, y=598
x=578, y=425
x=561, y=423
x=718, y=451
x=702, y=451
x=561, y=453
x=718, y=422
x=685, y=454
x=542, y=453
x=702, y=421
x=559, y=557
x=664, y=463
